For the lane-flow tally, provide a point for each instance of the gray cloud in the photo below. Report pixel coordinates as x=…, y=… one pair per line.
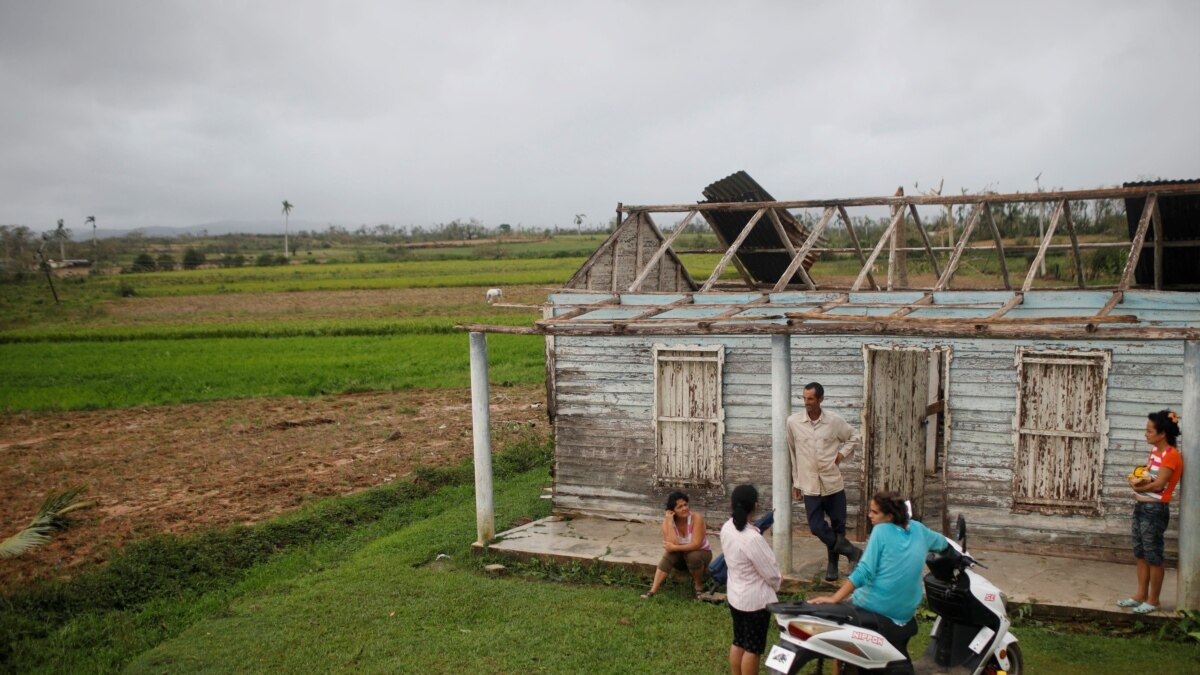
x=173, y=113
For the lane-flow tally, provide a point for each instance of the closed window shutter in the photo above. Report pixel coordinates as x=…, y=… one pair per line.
x=1061, y=430
x=689, y=418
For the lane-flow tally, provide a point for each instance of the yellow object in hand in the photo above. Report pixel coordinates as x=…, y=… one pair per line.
x=1140, y=473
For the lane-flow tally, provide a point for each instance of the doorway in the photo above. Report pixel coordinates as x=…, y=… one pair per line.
x=904, y=417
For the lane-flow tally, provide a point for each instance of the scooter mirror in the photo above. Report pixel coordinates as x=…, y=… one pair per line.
x=962, y=532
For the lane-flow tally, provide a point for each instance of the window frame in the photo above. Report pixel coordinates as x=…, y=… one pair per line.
x=714, y=354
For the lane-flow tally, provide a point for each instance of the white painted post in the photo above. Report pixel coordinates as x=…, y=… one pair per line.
x=781, y=460
x=1187, y=493
x=485, y=514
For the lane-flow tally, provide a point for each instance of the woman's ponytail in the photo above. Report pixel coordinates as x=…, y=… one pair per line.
x=745, y=498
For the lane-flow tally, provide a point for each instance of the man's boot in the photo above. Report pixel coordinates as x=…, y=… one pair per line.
x=831, y=570
x=852, y=552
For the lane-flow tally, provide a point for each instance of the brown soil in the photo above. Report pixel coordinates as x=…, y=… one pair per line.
x=184, y=468
x=312, y=305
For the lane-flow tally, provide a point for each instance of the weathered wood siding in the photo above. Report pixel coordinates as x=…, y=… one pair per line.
x=616, y=265
x=605, y=431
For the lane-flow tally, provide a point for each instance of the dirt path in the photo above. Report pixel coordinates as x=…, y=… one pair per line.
x=188, y=467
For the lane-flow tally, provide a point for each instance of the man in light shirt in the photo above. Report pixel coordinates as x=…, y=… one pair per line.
x=819, y=441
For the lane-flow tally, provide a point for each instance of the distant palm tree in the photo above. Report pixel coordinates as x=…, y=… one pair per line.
x=287, y=210
x=579, y=222
x=91, y=220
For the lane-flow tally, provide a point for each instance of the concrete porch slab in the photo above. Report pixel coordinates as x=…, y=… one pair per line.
x=1066, y=588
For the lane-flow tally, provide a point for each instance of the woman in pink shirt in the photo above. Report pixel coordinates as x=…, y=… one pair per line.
x=753, y=579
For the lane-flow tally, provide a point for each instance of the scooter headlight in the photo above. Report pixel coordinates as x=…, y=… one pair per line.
x=806, y=629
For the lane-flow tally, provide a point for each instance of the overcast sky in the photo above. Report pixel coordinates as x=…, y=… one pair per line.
x=412, y=113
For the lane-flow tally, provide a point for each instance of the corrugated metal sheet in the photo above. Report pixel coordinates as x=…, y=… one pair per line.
x=1180, y=222
x=764, y=267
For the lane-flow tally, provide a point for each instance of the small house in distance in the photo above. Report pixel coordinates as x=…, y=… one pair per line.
x=979, y=388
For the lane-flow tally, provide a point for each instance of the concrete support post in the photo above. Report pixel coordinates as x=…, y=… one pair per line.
x=781, y=460
x=1188, y=491
x=485, y=512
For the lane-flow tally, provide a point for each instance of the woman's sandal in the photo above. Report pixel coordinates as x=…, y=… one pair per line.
x=1144, y=608
x=1128, y=602
x=699, y=593
x=649, y=594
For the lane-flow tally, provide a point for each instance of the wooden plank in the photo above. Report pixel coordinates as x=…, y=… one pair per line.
x=943, y=281
x=1158, y=248
x=736, y=263
x=801, y=253
x=994, y=198
x=912, y=208
x=732, y=250
x=1115, y=299
x=1139, y=240
x=791, y=250
x=662, y=250
x=857, y=247
x=1025, y=320
x=1031, y=274
x=1016, y=299
x=590, y=262
x=926, y=299
x=1074, y=243
x=866, y=268
x=987, y=212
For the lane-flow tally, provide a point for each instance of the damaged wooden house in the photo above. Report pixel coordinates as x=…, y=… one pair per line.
x=978, y=387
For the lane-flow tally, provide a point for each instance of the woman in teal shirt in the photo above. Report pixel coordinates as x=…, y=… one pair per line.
x=887, y=580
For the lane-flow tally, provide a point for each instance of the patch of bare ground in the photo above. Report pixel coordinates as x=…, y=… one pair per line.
x=309, y=305
x=184, y=468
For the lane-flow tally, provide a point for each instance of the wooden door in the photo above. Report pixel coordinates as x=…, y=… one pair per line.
x=895, y=440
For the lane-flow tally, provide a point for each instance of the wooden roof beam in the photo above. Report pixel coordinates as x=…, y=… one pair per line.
x=911, y=307
x=797, y=262
x=1031, y=274
x=732, y=250
x=912, y=208
x=1139, y=240
x=1023, y=197
x=887, y=235
x=662, y=250
x=987, y=212
x=1016, y=299
x=736, y=262
x=612, y=238
x=1074, y=243
x=791, y=250
x=857, y=247
x=951, y=320
x=943, y=281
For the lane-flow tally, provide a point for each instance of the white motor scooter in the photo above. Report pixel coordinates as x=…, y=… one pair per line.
x=970, y=635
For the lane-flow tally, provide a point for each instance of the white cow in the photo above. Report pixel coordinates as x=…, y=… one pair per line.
x=494, y=295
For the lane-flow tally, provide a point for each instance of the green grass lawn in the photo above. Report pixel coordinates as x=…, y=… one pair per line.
x=91, y=375
x=375, y=599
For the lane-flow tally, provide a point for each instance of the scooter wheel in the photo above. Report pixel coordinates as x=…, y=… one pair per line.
x=1016, y=662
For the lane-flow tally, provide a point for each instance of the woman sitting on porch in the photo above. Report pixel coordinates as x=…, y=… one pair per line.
x=685, y=545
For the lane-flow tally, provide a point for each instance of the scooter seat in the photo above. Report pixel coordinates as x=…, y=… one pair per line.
x=841, y=613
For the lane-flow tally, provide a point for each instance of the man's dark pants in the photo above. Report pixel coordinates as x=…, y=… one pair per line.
x=833, y=506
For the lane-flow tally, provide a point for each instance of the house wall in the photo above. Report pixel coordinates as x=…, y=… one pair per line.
x=605, y=434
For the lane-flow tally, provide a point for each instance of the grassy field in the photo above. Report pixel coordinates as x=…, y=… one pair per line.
x=374, y=597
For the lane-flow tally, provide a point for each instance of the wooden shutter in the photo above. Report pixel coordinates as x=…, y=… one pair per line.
x=1061, y=430
x=689, y=417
